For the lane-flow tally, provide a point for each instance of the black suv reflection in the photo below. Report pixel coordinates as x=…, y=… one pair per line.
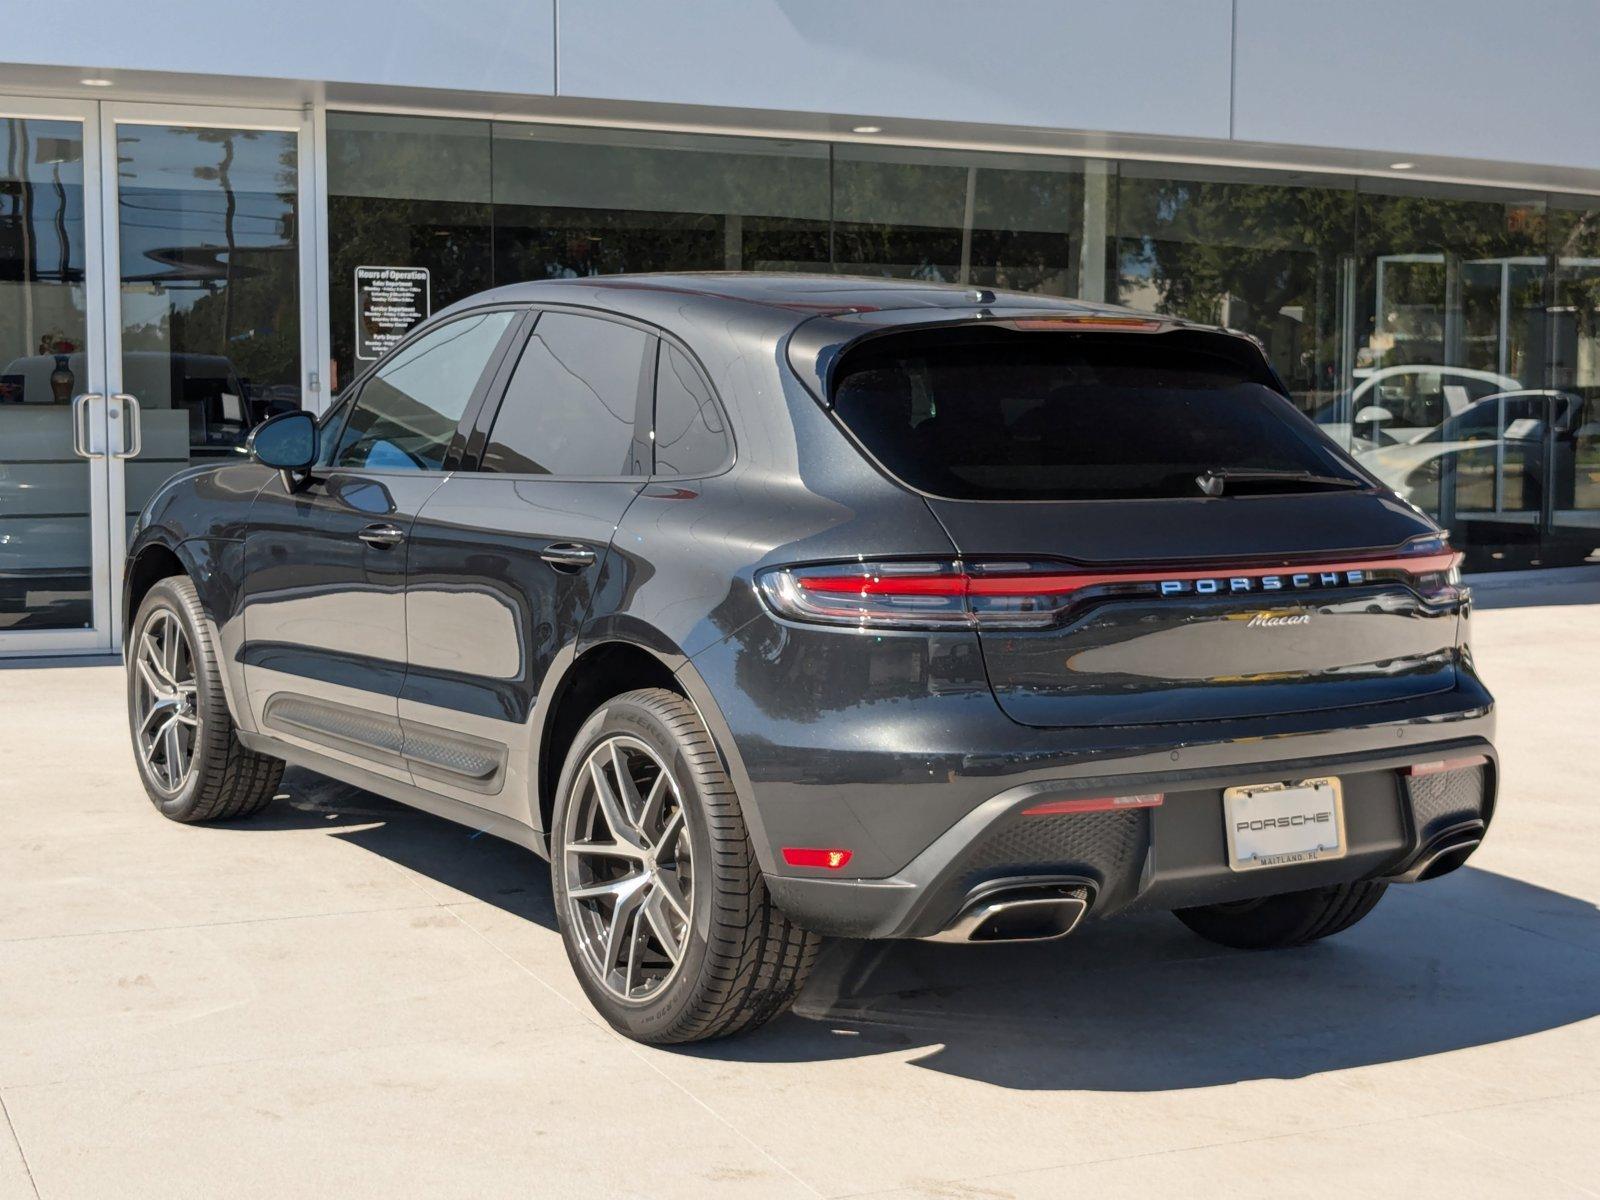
x=770, y=608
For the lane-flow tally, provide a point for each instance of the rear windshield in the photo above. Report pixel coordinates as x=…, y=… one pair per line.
x=995, y=414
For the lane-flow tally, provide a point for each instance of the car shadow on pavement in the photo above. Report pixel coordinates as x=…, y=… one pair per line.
x=1140, y=1004
x=1135, y=1003
x=476, y=864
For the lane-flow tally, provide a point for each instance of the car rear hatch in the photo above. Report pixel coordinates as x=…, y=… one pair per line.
x=1145, y=529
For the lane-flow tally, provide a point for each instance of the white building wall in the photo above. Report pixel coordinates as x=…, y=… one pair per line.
x=476, y=45
x=1513, y=80
x=1136, y=66
x=1485, y=79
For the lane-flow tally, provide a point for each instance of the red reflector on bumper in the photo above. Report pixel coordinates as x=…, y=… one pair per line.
x=1095, y=804
x=1446, y=764
x=828, y=860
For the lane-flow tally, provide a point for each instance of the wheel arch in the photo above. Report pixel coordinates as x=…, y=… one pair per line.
x=606, y=668
x=148, y=565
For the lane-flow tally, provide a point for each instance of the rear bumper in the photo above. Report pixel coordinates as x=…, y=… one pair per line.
x=1171, y=856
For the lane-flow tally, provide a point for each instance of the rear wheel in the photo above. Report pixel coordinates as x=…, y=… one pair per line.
x=190, y=760
x=1292, y=919
x=662, y=907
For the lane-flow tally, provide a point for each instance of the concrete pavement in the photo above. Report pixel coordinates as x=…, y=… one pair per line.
x=344, y=997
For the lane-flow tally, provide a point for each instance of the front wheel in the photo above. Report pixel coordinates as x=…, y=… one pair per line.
x=662, y=907
x=190, y=760
x=1290, y=919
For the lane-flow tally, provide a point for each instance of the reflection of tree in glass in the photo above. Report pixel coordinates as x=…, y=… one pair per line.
x=1261, y=258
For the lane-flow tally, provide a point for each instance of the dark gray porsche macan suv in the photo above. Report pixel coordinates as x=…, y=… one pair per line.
x=773, y=607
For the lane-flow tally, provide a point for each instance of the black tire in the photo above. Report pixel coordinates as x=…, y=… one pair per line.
x=742, y=961
x=222, y=781
x=1292, y=919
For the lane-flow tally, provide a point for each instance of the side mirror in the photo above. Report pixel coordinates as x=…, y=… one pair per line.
x=287, y=441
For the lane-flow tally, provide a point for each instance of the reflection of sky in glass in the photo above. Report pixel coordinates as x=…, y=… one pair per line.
x=174, y=189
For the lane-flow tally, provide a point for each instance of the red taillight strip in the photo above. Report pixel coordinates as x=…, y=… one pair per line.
x=1439, y=766
x=1095, y=804
x=1058, y=584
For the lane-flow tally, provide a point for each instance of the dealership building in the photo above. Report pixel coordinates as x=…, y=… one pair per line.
x=210, y=212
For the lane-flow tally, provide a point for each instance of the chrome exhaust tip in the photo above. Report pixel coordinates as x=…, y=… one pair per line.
x=1020, y=913
x=1447, y=851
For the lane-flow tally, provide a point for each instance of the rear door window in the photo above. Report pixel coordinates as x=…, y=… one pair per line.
x=1004, y=415
x=571, y=404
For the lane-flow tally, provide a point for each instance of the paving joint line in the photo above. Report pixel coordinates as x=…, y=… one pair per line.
x=16, y=1140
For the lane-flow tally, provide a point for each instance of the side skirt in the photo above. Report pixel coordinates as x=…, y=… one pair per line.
x=462, y=813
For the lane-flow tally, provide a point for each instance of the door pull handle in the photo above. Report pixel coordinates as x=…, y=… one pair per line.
x=133, y=434
x=568, y=556
x=82, y=438
x=382, y=537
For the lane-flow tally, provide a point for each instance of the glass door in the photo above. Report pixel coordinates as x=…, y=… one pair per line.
x=209, y=276
x=54, y=555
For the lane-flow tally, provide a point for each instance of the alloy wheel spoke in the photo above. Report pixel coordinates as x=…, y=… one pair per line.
x=650, y=811
x=148, y=677
x=669, y=884
x=623, y=925
x=177, y=755
x=610, y=806
x=605, y=850
x=669, y=834
x=670, y=944
x=609, y=887
x=630, y=973
x=150, y=653
x=171, y=650
x=160, y=708
x=627, y=792
x=153, y=741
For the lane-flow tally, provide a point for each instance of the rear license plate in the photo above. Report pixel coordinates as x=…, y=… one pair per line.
x=1277, y=824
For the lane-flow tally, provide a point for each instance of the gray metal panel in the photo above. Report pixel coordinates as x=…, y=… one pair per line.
x=1153, y=66
x=490, y=45
x=1477, y=78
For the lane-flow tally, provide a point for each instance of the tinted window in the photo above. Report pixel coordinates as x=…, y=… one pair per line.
x=1060, y=416
x=690, y=439
x=408, y=410
x=570, y=406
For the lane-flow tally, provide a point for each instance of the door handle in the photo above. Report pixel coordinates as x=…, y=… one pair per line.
x=80, y=429
x=133, y=435
x=568, y=556
x=382, y=537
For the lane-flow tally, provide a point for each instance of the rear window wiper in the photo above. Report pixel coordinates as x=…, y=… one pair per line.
x=1214, y=482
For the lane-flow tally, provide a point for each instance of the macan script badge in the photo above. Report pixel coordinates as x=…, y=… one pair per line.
x=1267, y=620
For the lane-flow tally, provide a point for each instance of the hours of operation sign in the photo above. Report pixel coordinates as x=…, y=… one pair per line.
x=389, y=301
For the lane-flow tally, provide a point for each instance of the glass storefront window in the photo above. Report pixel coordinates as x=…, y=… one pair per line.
x=596, y=202
x=410, y=193
x=1575, y=376
x=999, y=220
x=1448, y=336
x=899, y=212
x=1450, y=390
x=208, y=237
x=45, y=540
x=1266, y=253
